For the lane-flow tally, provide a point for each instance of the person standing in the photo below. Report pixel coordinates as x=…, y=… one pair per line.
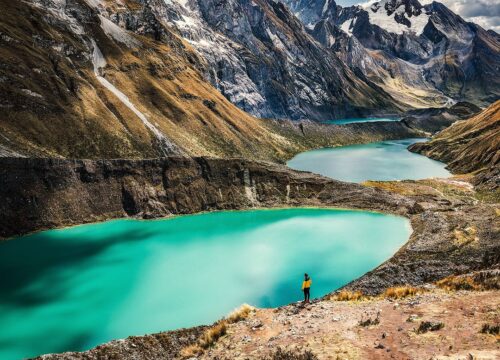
x=306, y=287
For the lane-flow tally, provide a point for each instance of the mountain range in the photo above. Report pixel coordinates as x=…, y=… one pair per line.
x=145, y=78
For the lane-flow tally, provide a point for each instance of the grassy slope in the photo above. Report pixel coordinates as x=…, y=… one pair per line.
x=468, y=145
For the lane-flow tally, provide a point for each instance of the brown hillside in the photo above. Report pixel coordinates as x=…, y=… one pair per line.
x=53, y=105
x=468, y=145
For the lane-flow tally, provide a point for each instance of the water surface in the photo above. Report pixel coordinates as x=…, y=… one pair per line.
x=384, y=161
x=360, y=120
x=74, y=288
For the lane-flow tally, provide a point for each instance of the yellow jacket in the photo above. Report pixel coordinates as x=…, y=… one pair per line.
x=306, y=284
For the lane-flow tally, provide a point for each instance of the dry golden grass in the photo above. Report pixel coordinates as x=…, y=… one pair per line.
x=205, y=341
x=346, y=295
x=479, y=281
x=454, y=283
x=210, y=337
x=215, y=332
x=240, y=314
x=400, y=292
x=191, y=351
x=402, y=188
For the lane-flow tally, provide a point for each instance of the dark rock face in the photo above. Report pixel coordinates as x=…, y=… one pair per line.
x=45, y=193
x=262, y=59
x=436, y=119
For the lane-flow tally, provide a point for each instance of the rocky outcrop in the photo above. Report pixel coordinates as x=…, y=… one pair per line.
x=436, y=119
x=164, y=345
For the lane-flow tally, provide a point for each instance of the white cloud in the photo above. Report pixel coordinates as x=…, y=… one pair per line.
x=485, y=13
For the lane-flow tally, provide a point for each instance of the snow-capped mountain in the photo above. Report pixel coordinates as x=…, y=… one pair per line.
x=398, y=16
x=414, y=51
x=263, y=60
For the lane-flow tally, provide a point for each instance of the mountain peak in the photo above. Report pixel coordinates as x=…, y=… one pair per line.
x=397, y=16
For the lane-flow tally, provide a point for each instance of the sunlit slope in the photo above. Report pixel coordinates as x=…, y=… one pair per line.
x=54, y=105
x=468, y=145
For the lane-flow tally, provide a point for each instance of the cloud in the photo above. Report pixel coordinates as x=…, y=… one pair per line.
x=485, y=13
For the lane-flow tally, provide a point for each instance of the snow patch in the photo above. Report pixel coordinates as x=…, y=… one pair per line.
x=348, y=25
x=278, y=44
x=31, y=93
x=325, y=7
x=378, y=16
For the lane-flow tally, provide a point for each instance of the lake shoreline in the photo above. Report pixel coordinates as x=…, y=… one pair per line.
x=177, y=186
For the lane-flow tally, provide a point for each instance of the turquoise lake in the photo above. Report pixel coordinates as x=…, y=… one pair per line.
x=387, y=160
x=74, y=288
x=359, y=120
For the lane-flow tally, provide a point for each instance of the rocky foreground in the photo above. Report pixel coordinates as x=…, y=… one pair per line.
x=370, y=329
x=441, y=321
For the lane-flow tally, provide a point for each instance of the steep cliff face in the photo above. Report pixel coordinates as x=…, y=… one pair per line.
x=425, y=53
x=66, y=192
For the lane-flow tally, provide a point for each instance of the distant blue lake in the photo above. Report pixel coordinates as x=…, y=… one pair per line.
x=75, y=288
x=359, y=120
x=383, y=161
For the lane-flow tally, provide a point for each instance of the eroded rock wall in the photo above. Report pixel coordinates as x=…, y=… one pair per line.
x=46, y=193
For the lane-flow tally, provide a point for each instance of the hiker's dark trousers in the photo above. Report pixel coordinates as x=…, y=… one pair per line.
x=306, y=294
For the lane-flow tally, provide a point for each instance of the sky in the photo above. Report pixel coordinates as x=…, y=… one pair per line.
x=482, y=12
